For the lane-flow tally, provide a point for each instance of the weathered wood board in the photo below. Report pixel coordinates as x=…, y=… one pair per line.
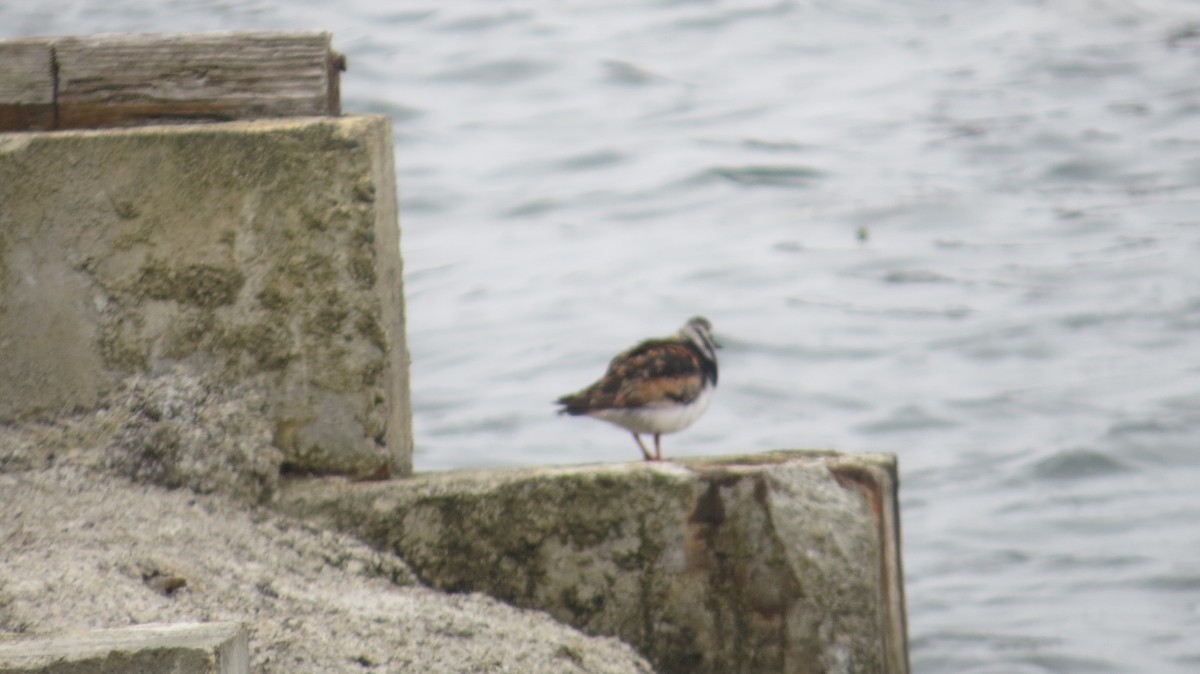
x=26, y=86
x=135, y=79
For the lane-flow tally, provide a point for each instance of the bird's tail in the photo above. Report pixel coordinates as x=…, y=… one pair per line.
x=571, y=404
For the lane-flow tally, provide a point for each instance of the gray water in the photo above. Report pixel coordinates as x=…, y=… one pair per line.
x=964, y=232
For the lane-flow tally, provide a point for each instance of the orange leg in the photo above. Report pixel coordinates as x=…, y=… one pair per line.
x=645, y=452
x=657, y=447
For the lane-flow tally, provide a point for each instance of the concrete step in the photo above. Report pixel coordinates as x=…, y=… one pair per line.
x=181, y=648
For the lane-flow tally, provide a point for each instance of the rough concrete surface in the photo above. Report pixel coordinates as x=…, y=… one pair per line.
x=779, y=562
x=171, y=429
x=257, y=262
x=79, y=550
x=179, y=648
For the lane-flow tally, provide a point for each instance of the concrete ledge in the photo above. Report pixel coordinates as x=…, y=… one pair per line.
x=779, y=562
x=80, y=550
x=188, y=648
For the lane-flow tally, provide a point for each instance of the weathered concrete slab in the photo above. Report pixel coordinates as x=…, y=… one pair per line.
x=779, y=562
x=181, y=648
x=81, y=550
x=253, y=265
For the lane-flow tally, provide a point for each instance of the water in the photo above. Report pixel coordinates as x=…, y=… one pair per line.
x=967, y=233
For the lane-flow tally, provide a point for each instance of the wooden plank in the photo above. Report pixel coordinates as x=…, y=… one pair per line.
x=26, y=85
x=125, y=80
x=135, y=79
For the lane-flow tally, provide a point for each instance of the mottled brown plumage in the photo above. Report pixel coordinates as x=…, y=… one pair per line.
x=659, y=386
x=650, y=372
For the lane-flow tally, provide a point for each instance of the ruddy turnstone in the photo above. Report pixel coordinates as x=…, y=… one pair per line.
x=659, y=386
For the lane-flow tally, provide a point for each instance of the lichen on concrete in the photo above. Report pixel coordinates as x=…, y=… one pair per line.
x=256, y=255
x=764, y=563
x=202, y=285
x=83, y=550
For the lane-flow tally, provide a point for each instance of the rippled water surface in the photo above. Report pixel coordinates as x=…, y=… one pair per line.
x=967, y=233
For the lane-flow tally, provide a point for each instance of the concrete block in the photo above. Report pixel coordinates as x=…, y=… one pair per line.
x=778, y=562
x=254, y=265
x=186, y=648
x=80, y=549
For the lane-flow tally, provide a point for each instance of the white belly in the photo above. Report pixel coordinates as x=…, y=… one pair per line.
x=663, y=418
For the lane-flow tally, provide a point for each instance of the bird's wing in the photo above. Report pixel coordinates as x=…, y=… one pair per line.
x=655, y=372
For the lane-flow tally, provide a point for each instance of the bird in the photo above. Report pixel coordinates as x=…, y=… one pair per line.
x=661, y=385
